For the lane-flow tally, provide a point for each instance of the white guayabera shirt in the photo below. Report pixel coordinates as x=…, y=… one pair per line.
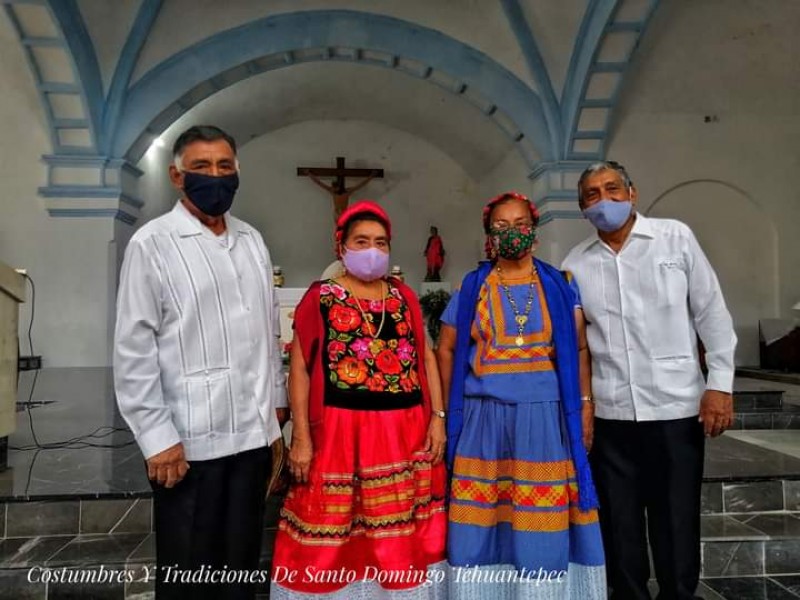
x=196, y=354
x=644, y=308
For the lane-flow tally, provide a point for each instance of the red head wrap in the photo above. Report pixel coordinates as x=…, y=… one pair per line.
x=353, y=212
x=487, y=210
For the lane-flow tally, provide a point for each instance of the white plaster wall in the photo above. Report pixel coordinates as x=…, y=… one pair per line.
x=68, y=259
x=744, y=72
x=422, y=187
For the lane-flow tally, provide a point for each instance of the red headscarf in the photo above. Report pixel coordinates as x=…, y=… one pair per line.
x=353, y=212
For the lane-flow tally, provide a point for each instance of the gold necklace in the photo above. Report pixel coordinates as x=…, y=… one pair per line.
x=520, y=318
x=363, y=314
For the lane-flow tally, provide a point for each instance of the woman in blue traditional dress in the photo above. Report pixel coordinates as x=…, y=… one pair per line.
x=515, y=366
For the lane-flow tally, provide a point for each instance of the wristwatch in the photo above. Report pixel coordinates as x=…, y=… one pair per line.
x=439, y=413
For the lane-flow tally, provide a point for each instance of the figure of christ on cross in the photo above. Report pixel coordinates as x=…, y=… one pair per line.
x=341, y=194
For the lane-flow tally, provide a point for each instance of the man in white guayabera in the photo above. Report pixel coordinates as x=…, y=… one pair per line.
x=648, y=293
x=197, y=371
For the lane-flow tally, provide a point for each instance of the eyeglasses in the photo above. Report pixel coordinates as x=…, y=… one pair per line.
x=505, y=225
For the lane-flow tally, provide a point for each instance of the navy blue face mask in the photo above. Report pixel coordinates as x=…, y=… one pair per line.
x=213, y=196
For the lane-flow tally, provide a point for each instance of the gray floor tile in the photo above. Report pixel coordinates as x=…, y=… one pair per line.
x=723, y=528
x=19, y=553
x=777, y=526
x=749, y=588
x=97, y=549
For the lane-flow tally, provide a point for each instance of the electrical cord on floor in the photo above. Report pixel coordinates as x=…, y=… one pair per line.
x=75, y=443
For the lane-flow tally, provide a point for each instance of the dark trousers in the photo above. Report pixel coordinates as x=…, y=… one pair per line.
x=648, y=477
x=212, y=522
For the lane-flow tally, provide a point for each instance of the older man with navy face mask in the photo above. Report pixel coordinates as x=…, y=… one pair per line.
x=198, y=374
x=648, y=292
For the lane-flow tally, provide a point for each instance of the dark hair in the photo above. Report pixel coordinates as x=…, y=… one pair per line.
x=202, y=133
x=358, y=218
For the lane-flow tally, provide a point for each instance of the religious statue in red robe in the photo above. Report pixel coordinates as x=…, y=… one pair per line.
x=434, y=256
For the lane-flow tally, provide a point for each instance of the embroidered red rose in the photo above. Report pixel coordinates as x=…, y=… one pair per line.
x=344, y=318
x=376, y=383
x=336, y=349
x=368, y=329
x=402, y=328
x=387, y=362
x=407, y=384
x=352, y=371
x=392, y=305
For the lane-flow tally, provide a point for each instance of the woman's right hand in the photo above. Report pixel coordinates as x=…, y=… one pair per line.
x=299, y=460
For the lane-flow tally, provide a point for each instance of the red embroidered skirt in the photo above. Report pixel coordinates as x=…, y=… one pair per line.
x=374, y=505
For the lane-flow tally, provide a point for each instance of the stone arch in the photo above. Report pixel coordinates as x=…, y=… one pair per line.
x=168, y=90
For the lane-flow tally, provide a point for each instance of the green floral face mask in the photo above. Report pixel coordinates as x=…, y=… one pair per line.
x=513, y=243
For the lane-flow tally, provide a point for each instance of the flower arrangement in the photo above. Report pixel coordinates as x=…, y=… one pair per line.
x=433, y=304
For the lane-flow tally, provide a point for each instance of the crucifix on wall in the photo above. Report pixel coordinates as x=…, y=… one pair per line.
x=337, y=188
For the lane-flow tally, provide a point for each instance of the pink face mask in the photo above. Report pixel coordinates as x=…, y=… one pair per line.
x=368, y=264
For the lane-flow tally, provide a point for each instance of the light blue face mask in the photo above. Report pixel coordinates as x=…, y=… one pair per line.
x=608, y=215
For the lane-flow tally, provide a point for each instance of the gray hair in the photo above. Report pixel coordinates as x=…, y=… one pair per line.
x=204, y=133
x=604, y=165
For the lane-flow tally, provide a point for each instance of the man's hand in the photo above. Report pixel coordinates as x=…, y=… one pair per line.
x=168, y=467
x=436, y=438
x=716, y=412
x=300, y=454
x=587, y=414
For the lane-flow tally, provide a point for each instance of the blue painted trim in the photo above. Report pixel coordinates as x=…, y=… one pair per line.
x=551, y=216
x=596, y=103
x=75, y=150
x=608, y=67
x=82, y=213
x=80, y=191
x=598, y=14
x=131, y=200
x=37, y=75
x=74, y=161
x=618, y=92
x=522, y=30
x=67, y=16
x=625, y=27
x=140, y=30
x=51, y=42
x=170, y=80
x=560, y=166
x=124, y=165
x=70, y=123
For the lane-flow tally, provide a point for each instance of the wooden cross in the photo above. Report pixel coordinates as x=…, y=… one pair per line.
x=340, y=192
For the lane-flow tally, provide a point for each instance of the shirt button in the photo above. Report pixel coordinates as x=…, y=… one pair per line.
x=206, y=371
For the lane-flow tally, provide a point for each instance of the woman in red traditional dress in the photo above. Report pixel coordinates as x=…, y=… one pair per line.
x=365, y=516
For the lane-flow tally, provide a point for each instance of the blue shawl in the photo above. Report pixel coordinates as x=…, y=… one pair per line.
x=560, y=303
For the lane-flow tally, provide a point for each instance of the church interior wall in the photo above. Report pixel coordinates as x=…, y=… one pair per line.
x=68, y=259
x=423, y=186
x=708, y=125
